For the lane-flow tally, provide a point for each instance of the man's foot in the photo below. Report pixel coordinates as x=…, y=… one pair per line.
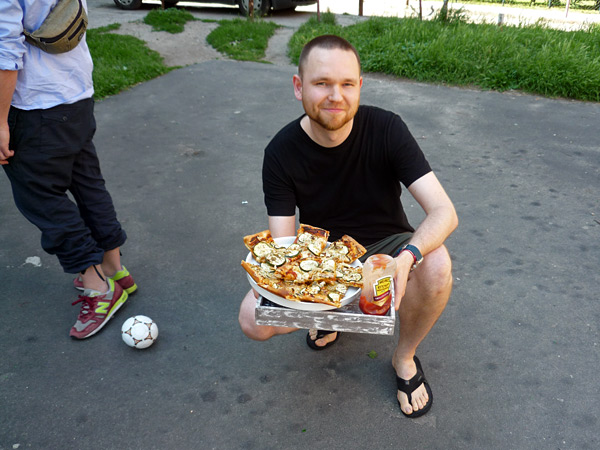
x=414, y=394
x=97, y=309
x=122, y=277
x=125, y=280
x=320, y=340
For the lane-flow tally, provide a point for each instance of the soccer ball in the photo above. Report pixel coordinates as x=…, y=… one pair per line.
x=139, y=332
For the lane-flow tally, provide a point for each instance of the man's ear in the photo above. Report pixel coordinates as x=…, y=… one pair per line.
x=297, y=87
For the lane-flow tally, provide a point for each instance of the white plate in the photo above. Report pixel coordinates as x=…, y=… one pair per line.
x=351, y=295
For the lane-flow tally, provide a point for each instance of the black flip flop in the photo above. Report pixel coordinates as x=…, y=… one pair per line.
x=321, y=334
x=408, y=387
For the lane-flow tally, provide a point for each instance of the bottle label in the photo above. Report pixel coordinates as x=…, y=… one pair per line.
x=382, y=290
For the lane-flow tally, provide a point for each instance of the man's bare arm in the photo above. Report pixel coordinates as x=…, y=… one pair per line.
x=281, y=226
x=8, y=81
x=441, y=219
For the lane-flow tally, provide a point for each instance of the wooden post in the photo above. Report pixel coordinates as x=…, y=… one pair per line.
x=360, y=7
x=251, y=9
x=318, y=11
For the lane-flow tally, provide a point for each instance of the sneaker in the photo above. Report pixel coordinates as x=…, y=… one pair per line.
x=122, y=277
x=97, y=309
x=125, y=280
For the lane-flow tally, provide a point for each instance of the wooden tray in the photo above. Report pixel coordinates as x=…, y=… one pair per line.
x=347, y=318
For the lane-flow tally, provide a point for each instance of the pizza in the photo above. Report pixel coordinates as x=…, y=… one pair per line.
x=308, y=269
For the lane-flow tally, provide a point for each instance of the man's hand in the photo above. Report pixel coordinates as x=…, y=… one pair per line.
x=5, y=153
x=404, y=262
x=8, y=81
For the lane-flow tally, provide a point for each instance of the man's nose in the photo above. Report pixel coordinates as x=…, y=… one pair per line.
x=336, y=93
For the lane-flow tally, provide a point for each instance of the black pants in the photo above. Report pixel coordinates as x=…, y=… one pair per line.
x=54, y=154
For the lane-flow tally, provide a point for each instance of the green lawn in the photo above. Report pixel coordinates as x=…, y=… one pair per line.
x=242, y=39
x=533, y=59
x=447, y=50
x=121, y=61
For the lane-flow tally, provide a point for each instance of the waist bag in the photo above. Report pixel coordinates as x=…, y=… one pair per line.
x=63, y=28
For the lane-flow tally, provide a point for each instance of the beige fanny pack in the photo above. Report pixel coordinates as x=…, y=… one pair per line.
x=62, y=30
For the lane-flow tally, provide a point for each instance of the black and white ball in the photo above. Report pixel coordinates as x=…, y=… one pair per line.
x=139, y=332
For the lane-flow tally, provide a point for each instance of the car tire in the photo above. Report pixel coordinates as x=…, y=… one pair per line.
x=261, y=7
x=128, y=4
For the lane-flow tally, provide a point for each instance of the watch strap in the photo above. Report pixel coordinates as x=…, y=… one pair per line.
x=416, y=254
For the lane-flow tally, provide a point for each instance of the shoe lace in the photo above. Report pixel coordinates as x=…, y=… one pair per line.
x=88, y=303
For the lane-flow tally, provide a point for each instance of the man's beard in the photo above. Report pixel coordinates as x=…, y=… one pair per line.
x=329, y=123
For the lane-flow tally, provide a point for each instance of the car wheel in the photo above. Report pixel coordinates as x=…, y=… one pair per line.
x=128, y=4
x=261, y=7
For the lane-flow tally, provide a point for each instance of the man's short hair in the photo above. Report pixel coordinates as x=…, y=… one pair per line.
x=329, y=42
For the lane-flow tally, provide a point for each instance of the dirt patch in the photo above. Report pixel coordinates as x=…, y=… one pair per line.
x=179, y=49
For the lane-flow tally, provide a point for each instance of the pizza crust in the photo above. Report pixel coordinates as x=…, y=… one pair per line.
x=311, y=271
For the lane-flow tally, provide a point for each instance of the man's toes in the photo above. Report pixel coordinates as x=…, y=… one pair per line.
x=404, y=405
x=326, y=339
x=420, y=400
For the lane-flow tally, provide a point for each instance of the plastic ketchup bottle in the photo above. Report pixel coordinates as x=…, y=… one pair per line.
x=378, y=285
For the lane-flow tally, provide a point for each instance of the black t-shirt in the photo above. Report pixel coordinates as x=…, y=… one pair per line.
x=353, y=188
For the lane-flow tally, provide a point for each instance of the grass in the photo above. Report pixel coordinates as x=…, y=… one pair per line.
x=242, y=39
x=171, y=20
x=579, y=5
x=533, y=59
x=121, y=61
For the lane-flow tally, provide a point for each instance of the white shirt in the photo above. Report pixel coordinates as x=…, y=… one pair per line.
x=44, y=80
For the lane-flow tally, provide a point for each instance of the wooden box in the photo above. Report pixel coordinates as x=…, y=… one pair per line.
x=347, y=318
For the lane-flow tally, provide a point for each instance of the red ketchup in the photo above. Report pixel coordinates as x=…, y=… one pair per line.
x=378, y=285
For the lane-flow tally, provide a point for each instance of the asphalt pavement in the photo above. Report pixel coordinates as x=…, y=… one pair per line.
x=513, y=362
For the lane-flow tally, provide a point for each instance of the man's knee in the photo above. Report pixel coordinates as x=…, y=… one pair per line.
x=436, y=269
x=247, y=319
x=246, y=316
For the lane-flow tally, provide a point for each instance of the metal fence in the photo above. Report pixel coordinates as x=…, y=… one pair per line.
x=581, y=5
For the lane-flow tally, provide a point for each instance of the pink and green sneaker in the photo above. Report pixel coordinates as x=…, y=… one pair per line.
x=97, y=309
x=122, y=277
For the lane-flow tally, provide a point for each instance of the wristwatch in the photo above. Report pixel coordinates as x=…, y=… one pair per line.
x=416, y=254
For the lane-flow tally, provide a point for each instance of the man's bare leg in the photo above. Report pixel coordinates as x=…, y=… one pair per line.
x=111, y=263
x=263, y=332
x=95, y=277
x=427, y=293
x=248, y=322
